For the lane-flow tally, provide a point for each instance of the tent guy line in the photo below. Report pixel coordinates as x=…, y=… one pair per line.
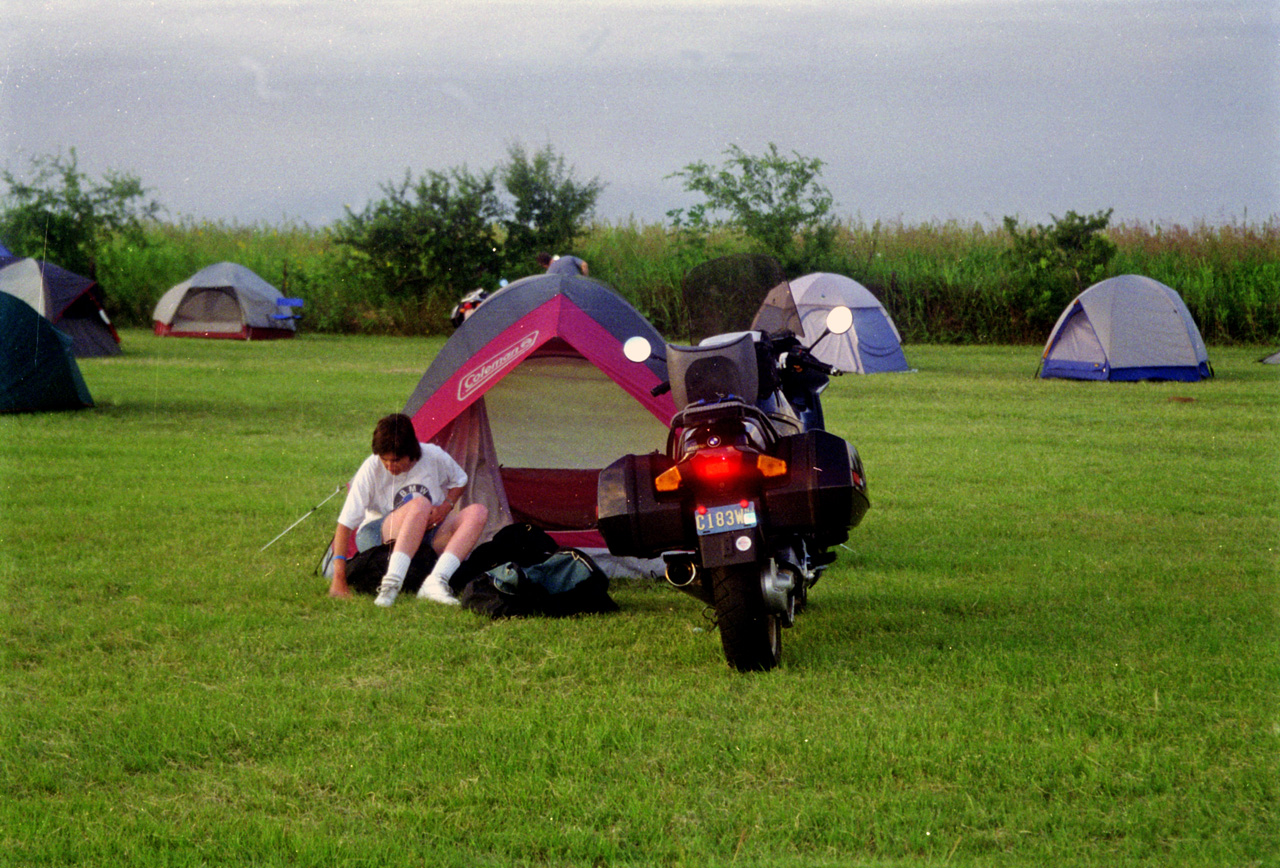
x=305, y=516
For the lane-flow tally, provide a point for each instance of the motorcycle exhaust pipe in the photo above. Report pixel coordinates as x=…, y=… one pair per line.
x=681, y=572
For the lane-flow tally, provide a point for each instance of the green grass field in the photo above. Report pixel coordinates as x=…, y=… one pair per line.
x=1053, y=641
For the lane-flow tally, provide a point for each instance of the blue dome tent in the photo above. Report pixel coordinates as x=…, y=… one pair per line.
x=1126, y=328
x=872, y=346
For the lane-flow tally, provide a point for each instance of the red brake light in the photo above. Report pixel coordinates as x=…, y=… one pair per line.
x=719, y=464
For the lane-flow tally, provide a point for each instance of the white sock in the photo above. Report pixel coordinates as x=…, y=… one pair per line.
x=446, y=565
x=398, y=567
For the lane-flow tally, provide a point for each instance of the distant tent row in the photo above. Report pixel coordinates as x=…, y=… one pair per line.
x=50, y=316
x=225, y=300
x=560, y=338
x=1124, y=328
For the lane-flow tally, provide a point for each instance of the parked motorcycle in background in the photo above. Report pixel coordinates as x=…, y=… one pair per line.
x=751, y=493
x=468, y=304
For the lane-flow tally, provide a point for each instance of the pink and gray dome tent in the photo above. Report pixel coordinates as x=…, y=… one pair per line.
x=1126, y=328
x=225, y=300
x=872, y=346
x=533, y=396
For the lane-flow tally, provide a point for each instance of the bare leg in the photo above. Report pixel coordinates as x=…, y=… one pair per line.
x=407, y=526
x=460, y=531
x=453, y=541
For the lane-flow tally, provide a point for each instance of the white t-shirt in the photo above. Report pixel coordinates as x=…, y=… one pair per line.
x=375, y=492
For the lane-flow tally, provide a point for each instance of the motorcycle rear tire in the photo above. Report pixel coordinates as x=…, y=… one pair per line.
x=750, y=634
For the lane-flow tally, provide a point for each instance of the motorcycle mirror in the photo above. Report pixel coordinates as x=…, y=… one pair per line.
x=839, y=320
x=637, y=349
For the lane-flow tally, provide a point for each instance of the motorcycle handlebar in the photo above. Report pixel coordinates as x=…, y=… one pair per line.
x=803, y=359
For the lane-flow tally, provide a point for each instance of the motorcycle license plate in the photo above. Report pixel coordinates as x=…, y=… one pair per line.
x=722, y=519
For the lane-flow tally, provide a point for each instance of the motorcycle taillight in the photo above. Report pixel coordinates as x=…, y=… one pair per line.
x=720, y=464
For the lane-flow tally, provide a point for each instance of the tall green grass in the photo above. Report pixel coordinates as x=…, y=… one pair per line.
x=943, y=282
x=1052, y=641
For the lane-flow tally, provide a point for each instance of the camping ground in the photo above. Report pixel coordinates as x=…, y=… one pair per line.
x=1052, y=641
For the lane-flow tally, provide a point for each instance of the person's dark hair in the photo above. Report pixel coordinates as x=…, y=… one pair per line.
x=394, y=435
x=544, y=259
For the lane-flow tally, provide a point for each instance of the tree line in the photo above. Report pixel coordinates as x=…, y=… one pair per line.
x=426, y=240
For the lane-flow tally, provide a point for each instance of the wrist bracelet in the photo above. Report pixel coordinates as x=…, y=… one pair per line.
x=339, y=557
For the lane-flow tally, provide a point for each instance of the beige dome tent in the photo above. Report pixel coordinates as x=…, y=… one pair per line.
x=225, y=300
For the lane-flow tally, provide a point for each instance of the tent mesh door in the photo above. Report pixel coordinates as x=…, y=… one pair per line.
x=556, y=421
x=208, y=310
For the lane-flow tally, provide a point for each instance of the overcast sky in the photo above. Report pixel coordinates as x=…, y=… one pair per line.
x=922, y=110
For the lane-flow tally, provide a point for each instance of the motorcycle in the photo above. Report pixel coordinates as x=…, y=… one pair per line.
x=468, y=304
x=751, y=493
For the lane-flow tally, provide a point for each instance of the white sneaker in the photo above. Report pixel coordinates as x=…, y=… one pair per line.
x=437, y=589
x=387, y=592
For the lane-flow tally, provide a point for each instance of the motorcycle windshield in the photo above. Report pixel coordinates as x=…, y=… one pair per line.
x=725, y=294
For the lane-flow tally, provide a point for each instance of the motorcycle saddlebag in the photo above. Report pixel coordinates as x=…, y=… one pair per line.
x=629, y=515
x=824, y=489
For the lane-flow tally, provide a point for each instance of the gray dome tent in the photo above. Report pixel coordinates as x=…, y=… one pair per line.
x=1126, y=328
x=224, y=300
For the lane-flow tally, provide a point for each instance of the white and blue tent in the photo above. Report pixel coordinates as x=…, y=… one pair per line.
x=1126, y=328
x=872, y=346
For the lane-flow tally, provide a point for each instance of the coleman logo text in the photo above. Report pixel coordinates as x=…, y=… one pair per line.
x=477, y=377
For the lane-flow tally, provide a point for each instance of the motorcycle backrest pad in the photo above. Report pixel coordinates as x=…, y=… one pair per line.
x=715, y=372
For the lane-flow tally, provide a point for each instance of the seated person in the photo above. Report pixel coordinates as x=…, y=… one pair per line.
x=406, y=492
